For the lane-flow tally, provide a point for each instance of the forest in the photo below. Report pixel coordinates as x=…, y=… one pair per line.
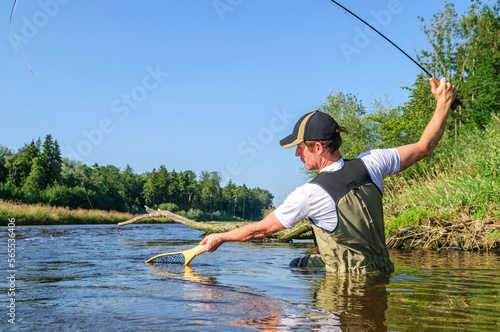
x=37, y=173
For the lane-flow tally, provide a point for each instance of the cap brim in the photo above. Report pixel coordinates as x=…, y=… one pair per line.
x=290, y=141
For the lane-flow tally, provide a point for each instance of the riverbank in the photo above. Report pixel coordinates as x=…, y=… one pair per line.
x=462, y=232
x=443, y=210
x=38, y=214
x=452, y=199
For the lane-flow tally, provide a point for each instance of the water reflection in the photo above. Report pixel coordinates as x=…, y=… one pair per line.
x=359, y=301
x=445, y=290
x=429, y=290
x=240, y=307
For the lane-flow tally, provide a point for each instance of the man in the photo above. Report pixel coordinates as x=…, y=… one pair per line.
x=344, y=202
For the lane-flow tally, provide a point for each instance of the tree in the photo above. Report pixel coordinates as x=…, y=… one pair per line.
x=349, y=113
x=72, y=173
x=19, y=164
x=163, y=184
x=133, y=185
x=480, y=27
x=33, y=185
x=386, y=122
x=228, y=194
x=36, y=173
x=51, y=161
x=241, y=198
x=5, y=153
x=151, y=187
x=111, y=188
x=466, y=50
x=173, y=187
x=188, y=189
x=259, y=201
x=210, y=191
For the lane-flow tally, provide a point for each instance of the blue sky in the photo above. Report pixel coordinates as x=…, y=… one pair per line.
x=195, y=85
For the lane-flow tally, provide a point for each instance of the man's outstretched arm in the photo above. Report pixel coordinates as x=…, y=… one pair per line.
x=410, y=154
x=263, y=228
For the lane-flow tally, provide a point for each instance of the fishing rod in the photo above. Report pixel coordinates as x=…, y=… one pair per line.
x=456, y=102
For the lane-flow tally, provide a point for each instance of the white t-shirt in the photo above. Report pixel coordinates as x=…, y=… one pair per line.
x=312, y=201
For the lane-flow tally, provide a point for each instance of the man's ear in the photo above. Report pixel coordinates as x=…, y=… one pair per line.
x=319, y=147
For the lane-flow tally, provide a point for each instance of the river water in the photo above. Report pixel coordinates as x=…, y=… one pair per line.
x=92, y=278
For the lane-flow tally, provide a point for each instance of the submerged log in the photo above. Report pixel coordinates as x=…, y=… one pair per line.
x=301, y=231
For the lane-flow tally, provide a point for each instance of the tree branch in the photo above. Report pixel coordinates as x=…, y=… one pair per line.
x=300, y=231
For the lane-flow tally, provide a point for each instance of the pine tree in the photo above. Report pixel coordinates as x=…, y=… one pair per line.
x=228, y=193
x=33, y=185
x=51, y=161
x=25, y=161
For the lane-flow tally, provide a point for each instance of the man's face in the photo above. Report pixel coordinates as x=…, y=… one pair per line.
x=308, y=157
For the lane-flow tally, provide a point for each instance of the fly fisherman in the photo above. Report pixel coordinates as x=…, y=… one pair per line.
x=344, y=202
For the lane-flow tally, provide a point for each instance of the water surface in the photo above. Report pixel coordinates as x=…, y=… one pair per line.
x=92, y=278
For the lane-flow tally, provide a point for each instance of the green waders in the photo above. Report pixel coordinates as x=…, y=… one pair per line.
x=357, y=245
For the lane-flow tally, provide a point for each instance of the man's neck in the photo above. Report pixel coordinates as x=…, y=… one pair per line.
x=328, y=158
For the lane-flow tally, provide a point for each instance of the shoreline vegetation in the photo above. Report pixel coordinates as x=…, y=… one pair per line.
x=461, y=232
x=38, y=214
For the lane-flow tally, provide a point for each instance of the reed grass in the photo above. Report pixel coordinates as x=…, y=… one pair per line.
x=37, y=214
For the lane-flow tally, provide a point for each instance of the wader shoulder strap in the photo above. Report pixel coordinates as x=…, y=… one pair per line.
x=337, y=184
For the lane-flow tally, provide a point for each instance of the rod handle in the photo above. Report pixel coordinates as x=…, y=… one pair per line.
x=456, y=102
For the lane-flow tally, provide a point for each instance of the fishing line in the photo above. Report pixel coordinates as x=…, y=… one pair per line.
x=456, y=102
x=396, y=46
x=29, y=67
x=382, y=45
x=14, y=6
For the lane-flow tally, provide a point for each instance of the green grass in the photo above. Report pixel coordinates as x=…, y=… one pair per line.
x=461, y=179
x=493, y=235
x=37, y=214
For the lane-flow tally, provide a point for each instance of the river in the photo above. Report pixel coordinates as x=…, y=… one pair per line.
x=93, y=278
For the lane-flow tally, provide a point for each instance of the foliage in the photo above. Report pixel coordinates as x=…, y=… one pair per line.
x=50, y=161
x=199, y=215
x=461, y=175
x=172, y=207
x=37, y=174
x=349, y=113
x=465, y=49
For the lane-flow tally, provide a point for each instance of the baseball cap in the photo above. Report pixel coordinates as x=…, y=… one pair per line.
x=313, y=126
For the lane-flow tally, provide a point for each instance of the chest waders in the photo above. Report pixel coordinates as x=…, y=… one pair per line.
x=357, y=245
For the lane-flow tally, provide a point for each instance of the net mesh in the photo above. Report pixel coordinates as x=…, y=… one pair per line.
x=170, y=259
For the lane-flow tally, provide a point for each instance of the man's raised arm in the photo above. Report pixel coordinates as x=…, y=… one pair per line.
x=410, y=154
